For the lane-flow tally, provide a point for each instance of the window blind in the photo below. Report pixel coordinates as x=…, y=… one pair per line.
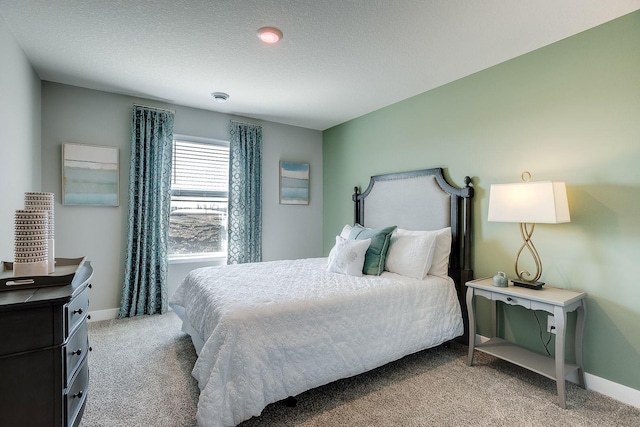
x=200, y=169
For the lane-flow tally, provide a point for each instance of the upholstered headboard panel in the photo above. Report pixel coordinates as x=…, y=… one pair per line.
x=396, y=202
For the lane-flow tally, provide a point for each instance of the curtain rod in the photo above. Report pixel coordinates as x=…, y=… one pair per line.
x=246, y=123
x=154, y=108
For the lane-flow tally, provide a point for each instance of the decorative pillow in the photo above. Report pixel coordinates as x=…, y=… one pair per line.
x=376, y=254
x=411, y=255
x=440, y=262
x=346, y=230
x=347, y=256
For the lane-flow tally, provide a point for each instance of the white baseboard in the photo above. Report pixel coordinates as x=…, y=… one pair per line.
x=99, y=315
x=616, y=391
x=109, y=314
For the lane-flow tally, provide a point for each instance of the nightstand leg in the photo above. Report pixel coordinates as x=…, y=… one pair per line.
x=560, y=319
x=581, y=315
x=472, y=325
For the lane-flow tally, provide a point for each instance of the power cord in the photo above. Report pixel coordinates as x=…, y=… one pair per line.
x=546, y=345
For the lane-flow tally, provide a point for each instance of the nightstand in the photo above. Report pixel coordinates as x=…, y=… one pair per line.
x=555, y=301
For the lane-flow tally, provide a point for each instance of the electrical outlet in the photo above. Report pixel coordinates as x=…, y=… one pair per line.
x=551, y=324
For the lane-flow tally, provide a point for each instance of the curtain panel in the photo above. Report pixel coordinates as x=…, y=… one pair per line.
x=245, y=194
x=145, y=283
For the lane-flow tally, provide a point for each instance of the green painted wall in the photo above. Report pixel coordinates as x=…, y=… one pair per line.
x=567, y=112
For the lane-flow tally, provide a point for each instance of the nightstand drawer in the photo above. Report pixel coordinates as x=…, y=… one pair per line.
x=511, y=300
x=507, y=299
x=75, y=350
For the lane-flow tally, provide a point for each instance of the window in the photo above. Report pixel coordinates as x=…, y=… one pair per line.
x=199, y=198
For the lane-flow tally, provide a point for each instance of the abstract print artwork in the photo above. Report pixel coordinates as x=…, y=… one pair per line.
x=89, y=175
x=294, y=183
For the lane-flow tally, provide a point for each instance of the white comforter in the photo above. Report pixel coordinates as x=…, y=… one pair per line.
x=275, y=329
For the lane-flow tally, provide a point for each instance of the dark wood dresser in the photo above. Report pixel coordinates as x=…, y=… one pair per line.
x=44, y=371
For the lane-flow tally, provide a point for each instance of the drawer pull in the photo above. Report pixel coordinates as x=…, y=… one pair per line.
x=78, y=394
x=509, y=299
x=78, y=311
x=90, y=348
x=90, y=286
x=78, y=352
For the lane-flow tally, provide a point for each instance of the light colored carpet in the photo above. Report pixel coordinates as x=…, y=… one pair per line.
x=140, y=376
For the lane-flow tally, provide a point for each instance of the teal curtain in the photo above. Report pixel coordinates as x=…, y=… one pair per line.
x=145, y=281
x=245, y=194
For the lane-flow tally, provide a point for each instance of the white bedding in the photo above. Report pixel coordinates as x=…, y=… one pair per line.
x=275, y=329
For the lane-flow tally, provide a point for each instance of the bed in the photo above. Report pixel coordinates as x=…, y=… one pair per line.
x=267, y=331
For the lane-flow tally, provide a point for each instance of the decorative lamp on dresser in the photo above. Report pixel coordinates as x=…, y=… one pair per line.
x=44, y=346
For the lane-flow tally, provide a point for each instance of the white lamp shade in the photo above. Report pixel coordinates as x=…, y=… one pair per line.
x=529, y=202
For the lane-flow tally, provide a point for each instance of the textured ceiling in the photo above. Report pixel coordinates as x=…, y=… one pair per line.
x=338, y=59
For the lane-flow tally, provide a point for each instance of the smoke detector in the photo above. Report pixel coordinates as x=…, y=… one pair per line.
x=220, y=96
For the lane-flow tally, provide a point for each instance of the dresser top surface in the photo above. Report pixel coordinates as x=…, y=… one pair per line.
x=19, y=297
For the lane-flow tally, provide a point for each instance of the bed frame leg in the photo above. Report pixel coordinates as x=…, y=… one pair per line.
x=290, y=402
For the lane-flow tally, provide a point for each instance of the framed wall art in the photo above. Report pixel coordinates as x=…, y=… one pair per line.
x=90, y=175
x=294, y=183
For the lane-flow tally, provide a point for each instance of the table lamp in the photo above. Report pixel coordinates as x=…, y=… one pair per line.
x=529, y=203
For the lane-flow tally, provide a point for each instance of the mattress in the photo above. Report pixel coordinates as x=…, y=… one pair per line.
x=272, y=330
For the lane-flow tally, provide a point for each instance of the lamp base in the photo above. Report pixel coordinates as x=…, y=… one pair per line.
x=530, y=285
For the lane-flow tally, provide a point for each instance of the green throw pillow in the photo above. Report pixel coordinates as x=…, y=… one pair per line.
x=377, y=252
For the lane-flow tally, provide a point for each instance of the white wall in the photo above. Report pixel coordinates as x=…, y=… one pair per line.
x=291, y=232
x=19, y=134
x=72, y=114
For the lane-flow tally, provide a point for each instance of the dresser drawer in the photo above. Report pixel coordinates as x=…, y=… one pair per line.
x=511, y=300
x=75, y=351
x=76, y=395
x=76, y=310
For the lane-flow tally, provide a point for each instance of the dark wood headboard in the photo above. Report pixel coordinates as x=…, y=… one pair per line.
x=423, y=200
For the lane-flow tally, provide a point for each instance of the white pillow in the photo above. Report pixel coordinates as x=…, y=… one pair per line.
x=346, y=230
x=347, y=256
x=411, y=255
x=440, y=262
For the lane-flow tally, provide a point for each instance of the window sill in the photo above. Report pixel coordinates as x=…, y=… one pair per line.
x=195, y=258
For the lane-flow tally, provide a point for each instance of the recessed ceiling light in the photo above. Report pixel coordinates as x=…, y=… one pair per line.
x=270, y=35
x=220, y=96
